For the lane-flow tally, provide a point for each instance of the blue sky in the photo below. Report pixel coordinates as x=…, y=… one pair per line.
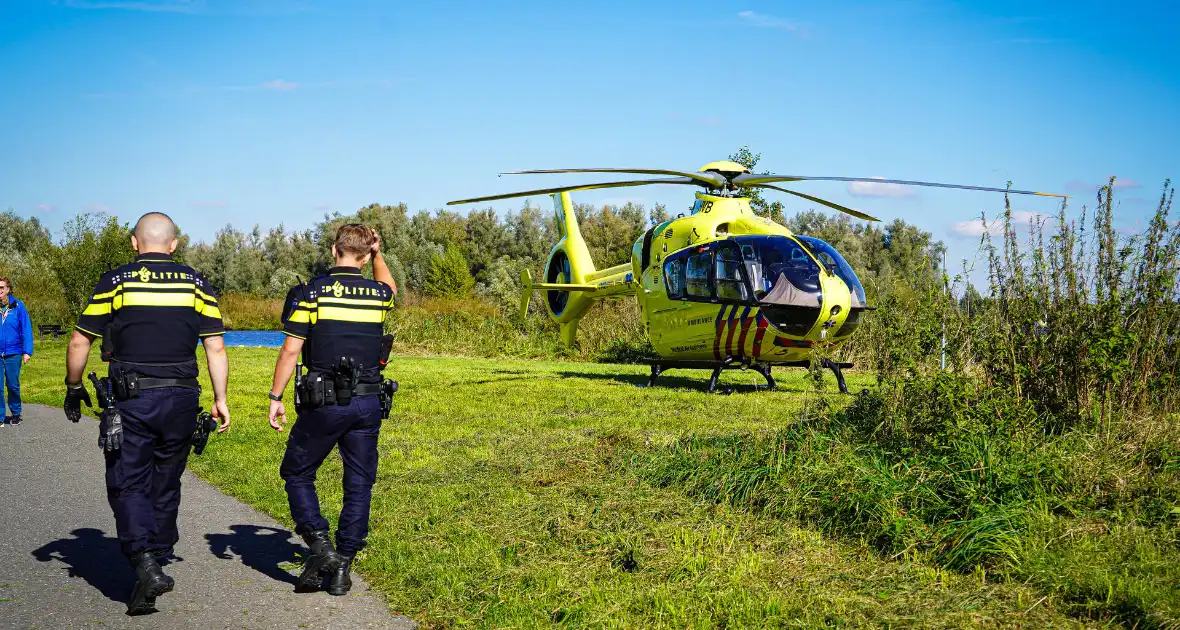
x=260, y=111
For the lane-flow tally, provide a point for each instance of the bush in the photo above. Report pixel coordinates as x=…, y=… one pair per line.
x=449, y=275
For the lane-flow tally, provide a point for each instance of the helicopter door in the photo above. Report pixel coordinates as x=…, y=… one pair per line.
x=684, y=327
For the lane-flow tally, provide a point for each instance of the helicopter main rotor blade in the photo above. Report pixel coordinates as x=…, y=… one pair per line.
x=750, y=179
x=715, y=180
x=835, y=206
x=548, y=191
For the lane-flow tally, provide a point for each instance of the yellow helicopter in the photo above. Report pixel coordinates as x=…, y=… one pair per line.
x=720, y=288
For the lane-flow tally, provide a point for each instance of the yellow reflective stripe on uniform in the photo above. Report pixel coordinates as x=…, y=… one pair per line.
x=376, y=303
x=205, y=296
x=150, y=298
x=98, y=309
x=300, y=317
x=107, y=295
x=307, y=305
x=335, y=313
x=207, y=308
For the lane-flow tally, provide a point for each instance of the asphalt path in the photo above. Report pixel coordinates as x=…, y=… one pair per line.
x=60, y=564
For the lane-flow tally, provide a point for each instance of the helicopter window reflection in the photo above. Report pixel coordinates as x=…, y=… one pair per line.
x=697, y=275
x=771, y=261
x=730, y=284
x=840, y=267
x=674, y=276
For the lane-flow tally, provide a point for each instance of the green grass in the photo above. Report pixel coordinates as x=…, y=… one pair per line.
x=509, y=496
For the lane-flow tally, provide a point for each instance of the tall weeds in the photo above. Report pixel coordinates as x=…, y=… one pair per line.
x=1027, y=434
x=1085, y=325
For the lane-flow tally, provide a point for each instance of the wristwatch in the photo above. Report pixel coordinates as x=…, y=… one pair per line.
x=274, y=397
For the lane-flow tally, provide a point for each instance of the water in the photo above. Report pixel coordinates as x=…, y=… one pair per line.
x=255, y=338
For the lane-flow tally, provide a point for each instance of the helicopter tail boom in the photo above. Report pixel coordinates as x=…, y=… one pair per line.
x=571, y=283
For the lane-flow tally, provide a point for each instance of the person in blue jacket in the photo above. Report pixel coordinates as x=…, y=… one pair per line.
x=16, y=347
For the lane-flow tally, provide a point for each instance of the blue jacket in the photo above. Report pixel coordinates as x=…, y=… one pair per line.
x=16, y=330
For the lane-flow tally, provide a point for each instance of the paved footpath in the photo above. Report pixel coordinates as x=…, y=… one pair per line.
x=60, y=564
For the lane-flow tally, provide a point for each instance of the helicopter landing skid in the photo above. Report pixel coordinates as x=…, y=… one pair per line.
x=836, y=368
x=658, y=367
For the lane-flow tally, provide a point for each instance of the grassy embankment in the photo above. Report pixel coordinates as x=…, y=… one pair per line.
x=516, y=493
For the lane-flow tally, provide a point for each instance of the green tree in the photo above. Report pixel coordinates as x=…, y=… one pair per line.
x=449, y=275
x=772, y=210
x=92, y=245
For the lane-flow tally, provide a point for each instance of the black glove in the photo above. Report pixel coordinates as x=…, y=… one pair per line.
x=110, y=430
x=74, y=398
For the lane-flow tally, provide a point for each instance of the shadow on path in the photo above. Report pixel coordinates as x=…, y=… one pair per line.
x=94, y=557
x=260, y=548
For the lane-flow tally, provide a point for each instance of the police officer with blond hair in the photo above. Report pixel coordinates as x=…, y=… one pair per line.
x=335, y=323
x=150, y=315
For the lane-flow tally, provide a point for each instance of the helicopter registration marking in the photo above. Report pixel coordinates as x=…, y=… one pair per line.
x=697, y=346
x=700, y=320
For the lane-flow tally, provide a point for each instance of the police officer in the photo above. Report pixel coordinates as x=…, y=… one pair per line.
x=150, y=314
x=335, y=323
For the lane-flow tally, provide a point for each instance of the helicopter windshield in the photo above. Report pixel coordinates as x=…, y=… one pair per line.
x=836, y=263
x=780, y=271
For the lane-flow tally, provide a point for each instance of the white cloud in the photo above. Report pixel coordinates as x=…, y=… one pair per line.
x=1021, y=220
x=767, y=21
x=46, y=207
x=977, y=227
x=1125, y=182
x=281, y=85
x=174, y=6
x=872, y=189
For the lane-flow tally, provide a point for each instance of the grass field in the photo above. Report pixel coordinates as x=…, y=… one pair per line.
x=513, y=494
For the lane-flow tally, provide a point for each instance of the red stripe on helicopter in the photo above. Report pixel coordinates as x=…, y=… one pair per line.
x=732, y=328
x=717, y=335
x=746, y=321
x=762, y=324
x=783, y=342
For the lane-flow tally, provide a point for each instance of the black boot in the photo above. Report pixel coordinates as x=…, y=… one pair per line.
x=150, y=582
x=323, y=559
x=341, y=581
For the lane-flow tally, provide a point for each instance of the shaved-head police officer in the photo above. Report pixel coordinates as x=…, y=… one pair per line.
x=150, y=314
x=335, y=322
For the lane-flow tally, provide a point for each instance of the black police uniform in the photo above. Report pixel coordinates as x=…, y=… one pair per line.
x=151, y=314
x=338, y=315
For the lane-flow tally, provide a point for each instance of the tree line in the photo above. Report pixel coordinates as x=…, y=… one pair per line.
x=443, y=253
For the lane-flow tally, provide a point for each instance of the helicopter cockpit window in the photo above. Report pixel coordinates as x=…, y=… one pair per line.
x=696, y=275
x=840, y=267
x=730, y=283
x=674, y=277
x=780, y=270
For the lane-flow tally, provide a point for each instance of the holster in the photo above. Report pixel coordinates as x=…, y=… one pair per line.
x=388, y=389
x=205, y=425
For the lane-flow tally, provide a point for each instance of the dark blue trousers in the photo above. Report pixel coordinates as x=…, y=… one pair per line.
x=143, y=476
x=354, y=428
